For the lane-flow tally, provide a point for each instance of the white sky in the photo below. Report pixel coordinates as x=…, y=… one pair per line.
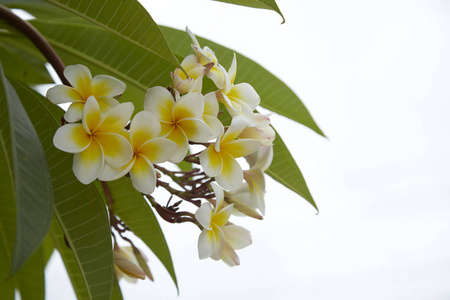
x=375, y=76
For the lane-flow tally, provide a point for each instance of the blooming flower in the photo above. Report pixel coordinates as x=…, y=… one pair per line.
x=102, y=87
x=181, y=120
x=206, y=56
x=240, y=99
x=219, y=238
x=148, y=149
x=125, y=264
x=219, y=159
x=96, y=140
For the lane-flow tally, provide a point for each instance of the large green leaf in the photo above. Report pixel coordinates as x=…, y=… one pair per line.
x=30, y=279
x=275, y=95
x=285, y=170
x=266, y=4
x=29, y=172
x=38, y=8
x=79, y=208
x=127, y=19
x=134, y=210
x=105, y=53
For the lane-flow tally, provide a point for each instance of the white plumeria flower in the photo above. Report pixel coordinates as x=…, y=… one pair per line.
x=211, y=241
x=262, y=132
x=96, y=140
x=194, y=71
x=219, y=159
x=240, y=99
x=181, y=120
x=206, y=56
x=148, y=149
x=102, y=87
x=126, y=264
x=259, y=162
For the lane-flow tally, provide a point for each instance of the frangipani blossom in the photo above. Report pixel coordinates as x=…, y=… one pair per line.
x=206, y=56
x=194, y=71
x=212, y=239
x=219, y=159
x=96, y=140
x=240, y=99
x=102, y=87
x=148, y=149
x=262, y=132
x=181, y=120
x=126, y=264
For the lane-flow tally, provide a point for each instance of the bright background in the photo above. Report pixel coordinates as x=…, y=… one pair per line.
x=375, y=76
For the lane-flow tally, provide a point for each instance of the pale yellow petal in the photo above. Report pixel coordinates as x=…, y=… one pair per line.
x=158, y=150
x=74, y=112
x=117, y=150
x=106, y=103
x=232, y=69
x=211, y=161
x=88, y=164
x=237, y=237
x=160, y=102
x=232, y=175
x=196, y=130
x=204, y=215
x=214, y=125
x=143, y=175
x=62, y=94
x=71, y=138
x=189, y=106
x=211, y=105
x=80, y=78
x=221, y=217
x=127, y=266
x=116, y=118
x=104, y=85
x=109, y=173
x=234, y=130
x=246, y=93
x=229, y=256
x=177, y=135
x=143, y=128
x=91, y=115
x=239, y=148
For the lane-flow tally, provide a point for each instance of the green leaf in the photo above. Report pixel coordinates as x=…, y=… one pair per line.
x=285, y=170
x=134, y=210
x=275, y=95
x=265, y=4
x=105, y=53
x=30, y=279
x=127, y=19
x=38, y=8
x=47, y=247
x=79, y=208
x=29, y=172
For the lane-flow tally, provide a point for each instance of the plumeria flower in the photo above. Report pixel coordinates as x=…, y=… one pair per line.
x=193, y=71
x=148, y=149
x=219, y=159
x=262, y=132
x=241, y=198
x=102, y=87
x=259, y=162
x=96, y=140
x=206, y=56
x=126, y=264
x=181, y=120
x=211, y=241
x=240, y=99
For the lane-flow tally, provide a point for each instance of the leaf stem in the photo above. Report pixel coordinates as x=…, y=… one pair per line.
x=37, y=39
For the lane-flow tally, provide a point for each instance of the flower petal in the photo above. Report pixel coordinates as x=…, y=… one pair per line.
x=221, y=217
x=143, y=175
x=88, y=164
x=71, y=138
x=238, y=237
x=104, y=85
x=160, y=102
x=232, y=175
x=196, y=130
x=106, y=103
x=234, y=130
x=229, y=256
x=214, y=125
x=80, y=78
x=211, y=105
x=158, y=150
x=127, y=266
x=74, y=112
x=116, y=118
x=246, y=93
x=177, y=135
x=211, y=161
x=116, y=149
x=206, y=244
x=232, y=69
x=239, y=148
x=204, y=214
x=143, y=128
x=189, y=106
x=91, y=115
x=109, y=173
x=257, y=185
x=62, y=94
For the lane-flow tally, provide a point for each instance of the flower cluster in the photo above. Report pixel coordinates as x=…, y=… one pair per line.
x=108, y=144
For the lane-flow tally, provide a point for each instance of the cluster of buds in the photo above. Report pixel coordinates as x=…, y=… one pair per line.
x=108, y=144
